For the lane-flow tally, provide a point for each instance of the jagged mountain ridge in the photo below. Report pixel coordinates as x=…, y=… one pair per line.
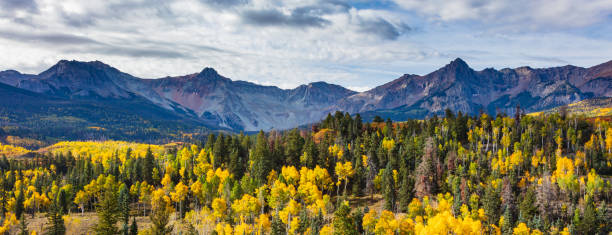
x=458, y=87
x=241, y=105
x=218, y=101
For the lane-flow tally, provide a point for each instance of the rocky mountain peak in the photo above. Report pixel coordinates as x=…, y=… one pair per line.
x=457, y=65
x=63, y=66
x=208, y=73
x=458, y=62
x=456, y=70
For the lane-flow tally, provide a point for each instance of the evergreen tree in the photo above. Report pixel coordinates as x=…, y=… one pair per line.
x=107, y=210
x=55, y=222
x=389, y=188
x=588, y=223
x=602, y=217
x=344, y=223
x=261, y=158
x=527, y=208
x=293, y=151
x=160, y=219
x=406, y=189
x=507, y=224
x=19, y=203
x=124, y=207
x=277, y=226
x=63, y=200
x=491, y=203
x=133, y=227
x=23, y=226
x=219, y=151
x=237, y=159
x=149, y=164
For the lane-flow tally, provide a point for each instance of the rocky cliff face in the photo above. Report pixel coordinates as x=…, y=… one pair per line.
x=238, y=105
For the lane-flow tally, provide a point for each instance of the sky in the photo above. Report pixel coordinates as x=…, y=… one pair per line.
x=358, y=44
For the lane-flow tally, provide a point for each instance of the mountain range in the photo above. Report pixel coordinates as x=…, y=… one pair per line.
x=212, y=100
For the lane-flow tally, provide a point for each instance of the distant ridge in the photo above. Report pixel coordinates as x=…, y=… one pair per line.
x=217, y=102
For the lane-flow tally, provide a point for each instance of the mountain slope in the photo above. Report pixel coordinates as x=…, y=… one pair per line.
x=247, y=106
x=49, y=118
x=458, y=87
x=215, y=101
x=597, y=107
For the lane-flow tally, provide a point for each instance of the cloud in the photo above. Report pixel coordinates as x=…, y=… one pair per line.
x=29, y=5
x=47, y=38
x=78, y=21
x=131, y=52
x=272, y=17
x=545, y=59
x=383, y=28
x=514, y=14
x=80, y=44
x=358, y=43
x=310, y=14
x=224, y=3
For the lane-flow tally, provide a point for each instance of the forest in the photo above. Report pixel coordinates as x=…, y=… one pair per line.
x=456, y=174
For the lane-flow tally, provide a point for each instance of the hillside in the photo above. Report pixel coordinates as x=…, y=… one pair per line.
x=448, y=175
x=600, y=107
x=54, y=118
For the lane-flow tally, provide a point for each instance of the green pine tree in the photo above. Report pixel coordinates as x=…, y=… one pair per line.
x=588, y=224
x=389, y=188
x=160, y=219
x=23, y=226
x=149, y=164
x=133, y=227
x=55, y=221
x=344, y=223
x=527, y=207
x=19, y=203
x=278, y=228
x=108, y=212
x=124, y=208
x=261, y=159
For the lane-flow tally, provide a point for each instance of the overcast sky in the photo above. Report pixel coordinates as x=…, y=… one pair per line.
x=357, y=44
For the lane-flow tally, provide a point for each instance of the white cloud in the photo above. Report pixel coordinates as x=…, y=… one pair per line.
x=357, y=48
x=515, y=14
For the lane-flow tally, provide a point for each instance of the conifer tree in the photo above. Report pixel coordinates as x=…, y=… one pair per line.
x=389, y=188
x=344, y=223
x=278, y=228
x=160, y=219
x=293, y=151
x=149, y=164
x=23, y=226
x=124, y=208
x=108, y=211
x=19, y=203
x=133, y=227
x=55, y=222
x=261, y=158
